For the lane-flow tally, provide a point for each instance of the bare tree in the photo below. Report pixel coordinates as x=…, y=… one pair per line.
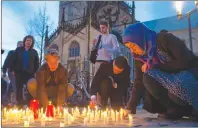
x=37, y=26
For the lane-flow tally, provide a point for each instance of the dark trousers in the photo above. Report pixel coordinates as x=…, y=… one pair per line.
x=4, y=87
x=108, y=91
x=161, y=98
x=21, y=79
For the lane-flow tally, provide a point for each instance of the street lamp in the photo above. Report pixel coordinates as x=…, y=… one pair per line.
x=179, y=7
x=196, y=3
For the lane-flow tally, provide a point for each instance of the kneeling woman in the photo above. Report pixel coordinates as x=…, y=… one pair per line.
x=170, y=71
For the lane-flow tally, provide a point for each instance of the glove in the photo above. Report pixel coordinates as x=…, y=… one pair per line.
x=115, y=85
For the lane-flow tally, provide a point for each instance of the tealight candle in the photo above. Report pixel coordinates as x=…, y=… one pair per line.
x=130, y=119
x=62, y=124
x=4, y=112
x=85, y=121
x=58, y=109
x=117, y=116
x=121, y=114
x=43, y=120
x=26, y=124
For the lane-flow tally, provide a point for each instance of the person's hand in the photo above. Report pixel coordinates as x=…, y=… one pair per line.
x=93, y=99
x=94, y=41
x=115, y=85
x=13, y=73
x=144, y=68
x=92, y=102
x=126, y=112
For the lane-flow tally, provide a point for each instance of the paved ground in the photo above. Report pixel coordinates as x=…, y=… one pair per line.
x=142, y=119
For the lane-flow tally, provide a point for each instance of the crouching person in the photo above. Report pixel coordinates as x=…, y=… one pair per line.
x=51, y=80
x=111, y=81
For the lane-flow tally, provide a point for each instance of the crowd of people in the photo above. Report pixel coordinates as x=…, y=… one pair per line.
x=166, y=73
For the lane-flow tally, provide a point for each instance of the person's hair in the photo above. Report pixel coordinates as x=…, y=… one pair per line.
x=121, y=62
x=163, y=31
x=2, y=51
x=104, y=23
x=19, y=42
x=25, y=38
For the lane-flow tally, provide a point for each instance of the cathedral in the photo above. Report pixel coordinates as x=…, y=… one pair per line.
x=79, y=25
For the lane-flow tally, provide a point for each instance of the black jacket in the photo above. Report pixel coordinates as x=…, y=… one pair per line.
x=33, y=61
x=182, y=59
x=8, y=61
x=106, y=70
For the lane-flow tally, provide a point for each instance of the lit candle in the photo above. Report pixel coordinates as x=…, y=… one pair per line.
x=50, y=110
x=105, y=117
x=121, y=114
x=54, y=111
x=42, y=111
x=43, y=120
x=4, y=112
x=62, y=124
x=107, y=120
x=84, y=112
x=26, y=124
x=69, y=119
x=58, y=110
x=60, y=115
x=85, y=121
x=34, y=106
x=130, y=119
x=72, y=111
x=92, y=117
x=117, y=116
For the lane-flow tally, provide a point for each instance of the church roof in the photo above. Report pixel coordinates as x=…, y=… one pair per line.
x=172, y=23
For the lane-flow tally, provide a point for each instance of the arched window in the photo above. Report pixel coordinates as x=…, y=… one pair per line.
x=74, y=49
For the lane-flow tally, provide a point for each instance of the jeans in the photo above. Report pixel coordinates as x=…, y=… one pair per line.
x=13, y=85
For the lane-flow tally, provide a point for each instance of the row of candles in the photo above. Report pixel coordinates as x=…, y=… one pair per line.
x=90, y=116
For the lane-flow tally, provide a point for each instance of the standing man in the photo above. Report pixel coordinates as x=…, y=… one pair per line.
x=25, y=64
x=7, y=67
x=108, y=45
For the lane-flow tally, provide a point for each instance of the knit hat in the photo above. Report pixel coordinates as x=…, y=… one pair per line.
x=53, y=49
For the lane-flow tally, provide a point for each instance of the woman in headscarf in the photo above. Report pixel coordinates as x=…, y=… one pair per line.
x=166, y=69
